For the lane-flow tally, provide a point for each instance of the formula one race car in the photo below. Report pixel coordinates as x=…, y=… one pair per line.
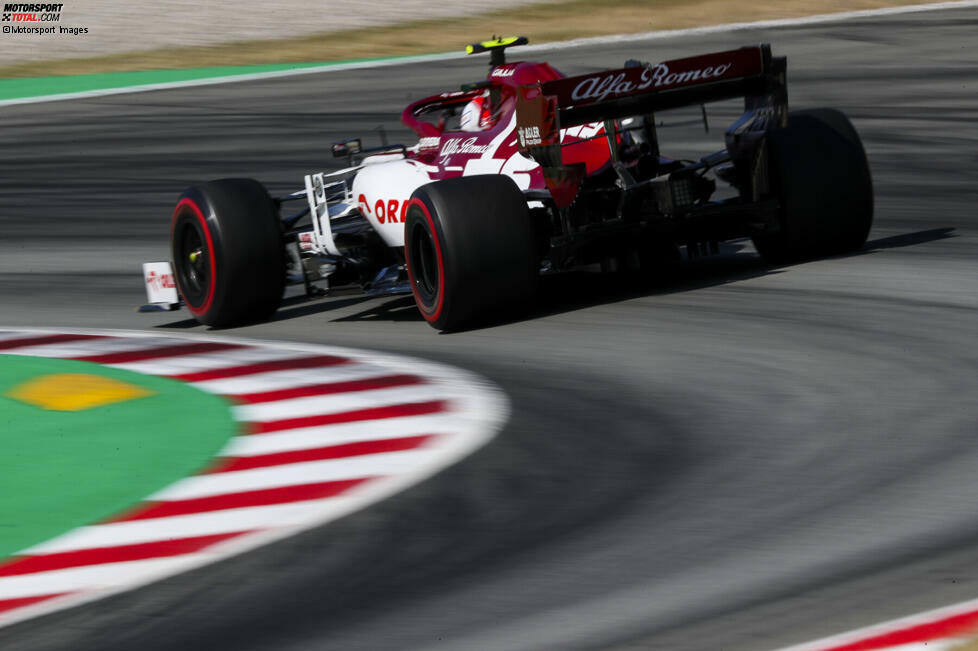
x=524, y=173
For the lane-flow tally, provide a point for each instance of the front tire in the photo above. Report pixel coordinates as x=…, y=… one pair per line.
x=820, y=174
x=468, y=243
x=228, y=252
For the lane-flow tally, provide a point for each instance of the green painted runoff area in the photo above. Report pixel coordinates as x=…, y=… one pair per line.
x=60, y=470
x=20, y=88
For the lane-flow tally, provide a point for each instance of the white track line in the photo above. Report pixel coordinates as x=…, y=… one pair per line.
x=295, y=474
x=214, y=360
x=817, y=19
x=91, y=347
x=197, y=524
x=340, y=433
x=276, y=380
x=88, y=577
x=331, y=404
x=559, y=45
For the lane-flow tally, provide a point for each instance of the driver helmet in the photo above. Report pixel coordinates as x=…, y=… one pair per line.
x=477, y=114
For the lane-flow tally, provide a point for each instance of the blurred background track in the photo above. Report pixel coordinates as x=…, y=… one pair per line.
x=190, y=34
x=740, y=458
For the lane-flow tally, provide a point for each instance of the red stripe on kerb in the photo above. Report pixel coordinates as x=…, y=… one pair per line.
x=44, y=340
x=948, y=627
x=13, y=604
x=316, y=361
x=122, y=553
x=265, y=497
x=329, y=389
x=373, y=413
x=359, y=448
x=175, y=350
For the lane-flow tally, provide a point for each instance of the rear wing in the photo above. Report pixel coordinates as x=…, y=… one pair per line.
x=543, y=109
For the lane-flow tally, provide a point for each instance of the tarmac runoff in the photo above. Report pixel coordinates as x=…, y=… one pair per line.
x=132, y=457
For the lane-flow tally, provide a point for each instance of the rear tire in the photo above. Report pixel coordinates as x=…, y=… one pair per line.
x=820, y=174
x=468, y=243
x=228, y=252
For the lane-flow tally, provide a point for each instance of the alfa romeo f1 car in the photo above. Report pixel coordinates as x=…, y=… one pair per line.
x=525, y=173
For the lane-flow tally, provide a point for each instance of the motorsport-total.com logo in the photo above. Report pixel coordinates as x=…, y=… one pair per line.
x=33, y=13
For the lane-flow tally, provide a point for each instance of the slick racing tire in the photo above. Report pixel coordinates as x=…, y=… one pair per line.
x=819, y=172
x=468, y=243
x=228, y=252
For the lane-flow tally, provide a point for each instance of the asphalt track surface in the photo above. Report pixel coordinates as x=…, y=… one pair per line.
x=742, y=457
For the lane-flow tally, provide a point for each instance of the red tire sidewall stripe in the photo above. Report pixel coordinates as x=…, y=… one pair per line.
x=432, y=317
x=210, y=254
